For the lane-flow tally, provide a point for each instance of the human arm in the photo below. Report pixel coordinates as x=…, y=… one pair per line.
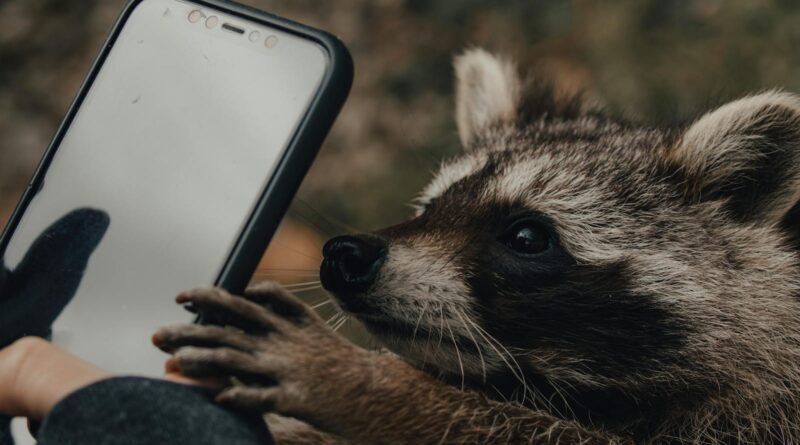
x=78, y=403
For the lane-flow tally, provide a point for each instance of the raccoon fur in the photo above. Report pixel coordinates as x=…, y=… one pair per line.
x=573, y=278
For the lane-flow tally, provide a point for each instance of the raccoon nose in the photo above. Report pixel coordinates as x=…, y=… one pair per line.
x=351, y=263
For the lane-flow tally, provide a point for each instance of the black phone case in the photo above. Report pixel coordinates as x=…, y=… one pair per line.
x=291, y=168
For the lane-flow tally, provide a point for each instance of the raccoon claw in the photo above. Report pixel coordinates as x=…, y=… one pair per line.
x=214, y=363
x=272, y=342
x=218, y=307
x=172, y=338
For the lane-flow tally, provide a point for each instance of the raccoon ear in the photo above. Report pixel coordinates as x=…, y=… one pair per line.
x=746, y=152
x=487, y=94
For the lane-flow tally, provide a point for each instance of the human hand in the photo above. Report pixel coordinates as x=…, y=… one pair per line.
x=37, y=290
x=35, y=375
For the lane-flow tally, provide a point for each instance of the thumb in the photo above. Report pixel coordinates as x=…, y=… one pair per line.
x=48, y=276
x=62, y=251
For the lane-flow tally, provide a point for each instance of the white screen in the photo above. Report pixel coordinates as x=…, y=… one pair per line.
x=176, y=140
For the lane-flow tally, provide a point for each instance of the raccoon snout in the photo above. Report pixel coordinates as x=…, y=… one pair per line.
x=351, y=263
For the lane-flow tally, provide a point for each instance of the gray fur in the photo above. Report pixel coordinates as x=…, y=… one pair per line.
x=665, y=202
x=658, y=300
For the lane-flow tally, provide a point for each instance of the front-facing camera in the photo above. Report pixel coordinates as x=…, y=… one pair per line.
x=195, y=16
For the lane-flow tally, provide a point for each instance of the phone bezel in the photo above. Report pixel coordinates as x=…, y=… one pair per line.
x=290, y=170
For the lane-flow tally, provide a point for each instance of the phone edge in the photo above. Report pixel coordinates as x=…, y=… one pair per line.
x=276, y=196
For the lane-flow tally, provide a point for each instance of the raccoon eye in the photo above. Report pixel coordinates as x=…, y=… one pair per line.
x=527, y=237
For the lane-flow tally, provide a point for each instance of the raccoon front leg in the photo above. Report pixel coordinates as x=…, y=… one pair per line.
x=288, y=431
x=293, y=364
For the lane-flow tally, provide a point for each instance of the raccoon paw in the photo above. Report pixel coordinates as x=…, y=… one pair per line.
x=287, y=359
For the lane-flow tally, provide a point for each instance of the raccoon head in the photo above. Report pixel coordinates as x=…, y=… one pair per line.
x=567, y=255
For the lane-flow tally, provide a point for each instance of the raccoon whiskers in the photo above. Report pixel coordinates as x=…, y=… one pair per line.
x=334, y=319
x=337, y=321
x=462, y=317
x=315, y=283
x=322, y=304
x=306, y=289
x=441, y=327
x=427, y=342
x=416, y=326
x=558, y=392
x=518, y=373
x=286, y=274
x=303, y=287
x=458, y=355
x=500, y=394
x=341, y=322
x=284, y=246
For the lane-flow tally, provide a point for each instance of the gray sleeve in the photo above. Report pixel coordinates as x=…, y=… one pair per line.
x=5, y=431
x=137, y=411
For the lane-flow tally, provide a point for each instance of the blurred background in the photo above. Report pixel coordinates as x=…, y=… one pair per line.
x=658, y=61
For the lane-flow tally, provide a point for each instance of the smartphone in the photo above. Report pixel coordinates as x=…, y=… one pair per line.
x=192, y=132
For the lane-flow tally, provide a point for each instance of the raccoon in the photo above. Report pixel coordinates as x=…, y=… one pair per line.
x=569, y=278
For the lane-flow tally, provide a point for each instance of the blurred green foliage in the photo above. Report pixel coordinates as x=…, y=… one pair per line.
x=658, y=61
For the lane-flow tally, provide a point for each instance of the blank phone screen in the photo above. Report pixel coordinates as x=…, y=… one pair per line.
x=176, y=140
